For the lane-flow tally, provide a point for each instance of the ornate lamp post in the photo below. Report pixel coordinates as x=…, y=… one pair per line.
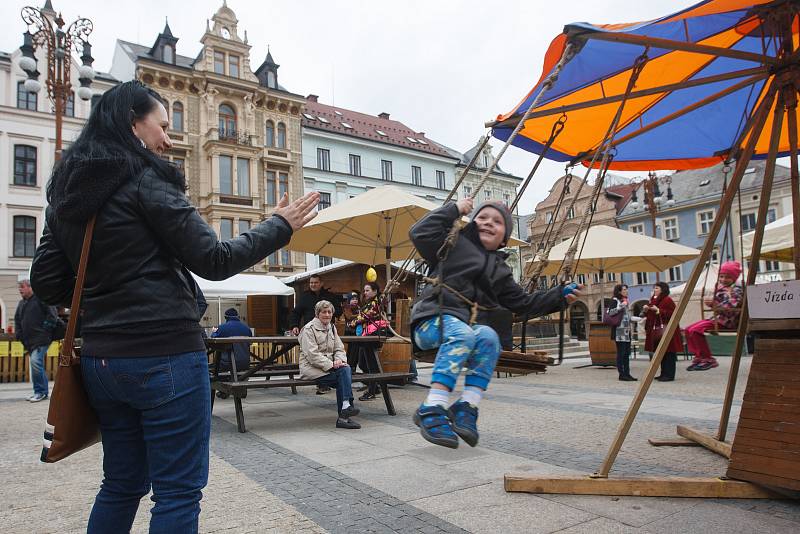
x=58, y=45
x=653, y=200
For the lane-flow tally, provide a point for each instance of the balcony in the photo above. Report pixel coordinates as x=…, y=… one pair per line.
x=237, y=137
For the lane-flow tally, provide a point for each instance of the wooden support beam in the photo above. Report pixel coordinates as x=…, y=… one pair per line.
x=723, y=448
x=724, y=208
x=669, y=44
x=512, y=121
x=718, y=488
x=672, y=442
x=761, y=221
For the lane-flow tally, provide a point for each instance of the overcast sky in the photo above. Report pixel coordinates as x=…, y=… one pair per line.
x=443, y=67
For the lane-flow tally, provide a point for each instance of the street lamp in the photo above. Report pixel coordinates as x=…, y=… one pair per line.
x=58, y=44
x=653, y=200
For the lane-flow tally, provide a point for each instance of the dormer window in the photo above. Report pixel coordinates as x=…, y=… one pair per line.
x=233, y=66
x=271, y=80
x=168, y=54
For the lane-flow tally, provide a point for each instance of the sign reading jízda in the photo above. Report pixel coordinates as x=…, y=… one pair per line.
x=776, y=300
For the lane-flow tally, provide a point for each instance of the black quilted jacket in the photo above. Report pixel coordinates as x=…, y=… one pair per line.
x=139, y=299
x=480, y=275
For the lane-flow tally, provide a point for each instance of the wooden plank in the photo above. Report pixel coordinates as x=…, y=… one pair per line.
x=764, y=391
x=766, y=435
x=672, y=442
x=760, y=464
x=723, y=448
x=772, y=325
x=642, y=487
x=790, y=455
x=773, y=426
x=772, y=415
x=761, y=478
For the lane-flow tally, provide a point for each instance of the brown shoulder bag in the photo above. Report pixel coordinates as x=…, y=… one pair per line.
x=71, y=421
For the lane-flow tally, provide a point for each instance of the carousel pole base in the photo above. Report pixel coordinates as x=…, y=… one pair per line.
x=706, y=487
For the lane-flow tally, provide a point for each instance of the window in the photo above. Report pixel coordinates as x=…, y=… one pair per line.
x=272, y=81
x=355, y=165
x=177, y=116
x=715, y=255
x=467, y=191
x=595, y=278
x=226, y=229
x=440, y=180
x=611, y=277
x=325, y=260
x=548, y=217
x=244, y=226
x=167, y=54
x=26, y=100
x=272, y=259
x=269, y=136
x=243, y=176
x=24, y=236
x=507, y=199
x=675, y=274
x=642, y=279
x=227, y=122
x=636, y=229
x=416, y=175
x=69, y=108
x=286, y=257
x=772, y=265
x=705, y=220
x=670, y=229
x=283, y=184
x=272, y=188
x=226, y=175
x=281, y=135
x=771, y=215
x=180, y=163
x=748, y=221
x=324, y=201
x=487, y=194
x=24, y=165
x=323, y=159
x=219, y=63
x=582, y=279
x=386, y=170
x=571, y=213
x=233, y=66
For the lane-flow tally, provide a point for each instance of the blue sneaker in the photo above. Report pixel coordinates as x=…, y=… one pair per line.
x=464, y=418
x=434, y=425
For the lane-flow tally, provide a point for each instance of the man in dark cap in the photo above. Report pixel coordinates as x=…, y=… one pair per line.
x=234, y=327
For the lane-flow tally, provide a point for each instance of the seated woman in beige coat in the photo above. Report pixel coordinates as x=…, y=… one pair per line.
x=323, y=359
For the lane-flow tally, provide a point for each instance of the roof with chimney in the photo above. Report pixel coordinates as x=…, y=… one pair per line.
x=380, y=128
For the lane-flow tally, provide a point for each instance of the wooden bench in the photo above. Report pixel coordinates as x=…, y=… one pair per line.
x=508, y=362
x=271, y=379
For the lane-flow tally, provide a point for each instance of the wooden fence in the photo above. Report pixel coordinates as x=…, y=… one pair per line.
x=15, y=366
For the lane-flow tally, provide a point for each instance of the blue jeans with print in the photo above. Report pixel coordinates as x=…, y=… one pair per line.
x=155, y=421
x=477, y=347
x=38, y=374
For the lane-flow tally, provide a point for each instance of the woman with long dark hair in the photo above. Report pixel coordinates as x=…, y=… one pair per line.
x=143, y=358
x=370, y=319
x=622, y=334
x=657, y=313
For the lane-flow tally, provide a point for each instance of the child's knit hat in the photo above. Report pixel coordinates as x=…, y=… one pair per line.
x=503, y=209
x=731, y=268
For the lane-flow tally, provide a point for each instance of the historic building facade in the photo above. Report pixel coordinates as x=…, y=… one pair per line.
x=27, y=155
x=235, y=131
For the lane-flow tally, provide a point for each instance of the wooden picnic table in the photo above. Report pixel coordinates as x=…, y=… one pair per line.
x=266, y=368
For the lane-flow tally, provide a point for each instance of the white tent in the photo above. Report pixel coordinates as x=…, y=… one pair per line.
x=241, y=285
x=778, y=242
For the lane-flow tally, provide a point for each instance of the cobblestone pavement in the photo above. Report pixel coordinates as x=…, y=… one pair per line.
x=294, y=472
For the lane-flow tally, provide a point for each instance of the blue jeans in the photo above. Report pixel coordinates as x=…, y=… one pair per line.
x=342, y=380
x=155, y=421
x=38, y=375
x=476, y=346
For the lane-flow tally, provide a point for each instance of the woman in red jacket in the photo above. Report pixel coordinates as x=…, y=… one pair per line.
x=657, y=313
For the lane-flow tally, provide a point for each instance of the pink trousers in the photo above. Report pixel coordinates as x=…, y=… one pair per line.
x=696, y=341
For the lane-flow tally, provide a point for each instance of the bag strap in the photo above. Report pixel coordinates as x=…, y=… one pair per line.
x=66, y=357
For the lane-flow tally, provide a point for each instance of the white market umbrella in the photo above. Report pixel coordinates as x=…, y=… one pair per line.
x=778, y=241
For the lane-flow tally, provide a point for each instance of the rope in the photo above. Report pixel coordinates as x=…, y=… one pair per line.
x=558, y=127
x=474, y=306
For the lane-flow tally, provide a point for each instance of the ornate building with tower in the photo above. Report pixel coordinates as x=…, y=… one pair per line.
x=235, y=131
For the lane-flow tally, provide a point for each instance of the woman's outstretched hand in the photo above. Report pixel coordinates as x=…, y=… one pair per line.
x=298, y=212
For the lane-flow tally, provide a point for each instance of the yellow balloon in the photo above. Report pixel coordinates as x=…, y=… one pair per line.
x=371, y=275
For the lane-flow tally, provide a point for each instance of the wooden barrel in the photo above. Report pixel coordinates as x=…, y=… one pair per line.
x=602, y=348
x=395, y=355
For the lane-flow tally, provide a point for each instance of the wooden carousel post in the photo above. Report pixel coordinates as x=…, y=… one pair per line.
x=725, y=205
x=761, y=221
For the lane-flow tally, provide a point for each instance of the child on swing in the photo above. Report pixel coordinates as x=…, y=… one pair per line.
x=474, y=272
x=727, y=303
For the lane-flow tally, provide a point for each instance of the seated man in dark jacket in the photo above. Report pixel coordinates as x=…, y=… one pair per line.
x=233, y=327
x=476, y=281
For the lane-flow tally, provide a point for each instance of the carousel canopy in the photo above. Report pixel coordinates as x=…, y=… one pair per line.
x=707, y=67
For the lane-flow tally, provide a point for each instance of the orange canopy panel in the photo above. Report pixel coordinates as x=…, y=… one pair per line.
x=707, y=68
